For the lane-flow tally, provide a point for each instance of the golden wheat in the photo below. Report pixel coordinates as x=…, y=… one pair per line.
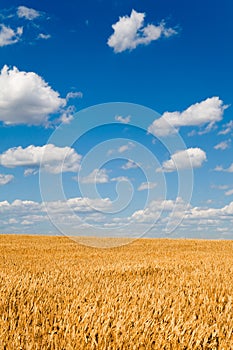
x=150, y=294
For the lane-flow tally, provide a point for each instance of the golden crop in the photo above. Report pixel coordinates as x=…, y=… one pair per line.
x=150, y=294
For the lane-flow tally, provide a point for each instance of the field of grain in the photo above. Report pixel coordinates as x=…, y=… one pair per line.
x=150, y=294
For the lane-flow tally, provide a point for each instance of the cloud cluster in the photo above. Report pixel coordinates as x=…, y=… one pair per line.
x=185, y=159
x=129, y=32
x=179, y=209
x=26, y=29
x=25, y=98
x=49, y=158
x=207, y=112
x=70, y=212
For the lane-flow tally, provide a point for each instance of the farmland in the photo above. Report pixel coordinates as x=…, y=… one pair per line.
x=150, y=294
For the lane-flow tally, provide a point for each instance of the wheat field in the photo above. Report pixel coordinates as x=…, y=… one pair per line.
x=150, y=294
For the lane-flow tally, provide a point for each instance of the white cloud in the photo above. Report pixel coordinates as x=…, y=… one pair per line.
x=50, y=158
x=154, y=209
x=5, y=179
x=121, y=149
x=72, y=94
x=126, y=147
x=129, y=32
x=223, y=145
x=227, y=170
x=147, y=186
x=97, y=176
x=185, y=159
x=207, y=112
x=18, y=106
x=192, y=216
x=227, y=128
x=123, y=120
x=220, y=187
x=27, y=13
x=65, y=118
x=219, y=168
x=77, y=204
x=9, y=36
x=30, y=171
x=229, y=192
x=130, y=165
x=119, y=179
x=44, y=36
x=26, y=222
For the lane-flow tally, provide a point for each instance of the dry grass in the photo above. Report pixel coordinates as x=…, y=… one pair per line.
x=151, y=294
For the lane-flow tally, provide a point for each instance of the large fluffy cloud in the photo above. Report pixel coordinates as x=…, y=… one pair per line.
x=49, y=157
x=207, y=112
x=25, y=98
x=185, y=159
x=9, y=36
x=129, y=32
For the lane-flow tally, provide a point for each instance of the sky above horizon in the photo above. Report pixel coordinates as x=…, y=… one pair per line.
x=116, y=118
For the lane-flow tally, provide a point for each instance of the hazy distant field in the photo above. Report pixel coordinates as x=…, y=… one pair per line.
x=151, y=294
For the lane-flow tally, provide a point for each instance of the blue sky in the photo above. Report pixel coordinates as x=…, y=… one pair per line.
x=154, y=155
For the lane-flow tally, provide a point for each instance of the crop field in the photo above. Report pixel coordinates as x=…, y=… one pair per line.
x=150, y=294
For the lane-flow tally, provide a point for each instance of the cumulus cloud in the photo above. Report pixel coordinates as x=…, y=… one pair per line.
x=153, y=210
x=130, y=31
x=147, y=186
x=33, y=211
x=123, y=120
x=180, y=209
x=50, y=158
x=223, y=145
x=78, y=205
x=207, y=112
x=185, y=159
x=25, y=98
x=27, y=13
x=5, y=179
x=9, y=36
